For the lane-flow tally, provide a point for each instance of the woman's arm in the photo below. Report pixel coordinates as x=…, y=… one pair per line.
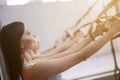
x=78, y=46
x=74, y=46
x=57, y=50
x=49, y=67
x=60, y=48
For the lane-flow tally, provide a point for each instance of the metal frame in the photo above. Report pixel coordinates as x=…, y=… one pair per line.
x=3, y=72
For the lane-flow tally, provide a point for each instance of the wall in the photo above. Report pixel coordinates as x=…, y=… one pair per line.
x=3, y=2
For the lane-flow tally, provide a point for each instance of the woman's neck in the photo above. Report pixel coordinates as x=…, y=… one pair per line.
x=27, y=57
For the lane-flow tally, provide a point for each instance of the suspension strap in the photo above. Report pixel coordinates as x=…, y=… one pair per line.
x=90, y=32
x=85, y=14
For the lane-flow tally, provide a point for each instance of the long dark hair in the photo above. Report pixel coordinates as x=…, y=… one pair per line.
x=10, y=37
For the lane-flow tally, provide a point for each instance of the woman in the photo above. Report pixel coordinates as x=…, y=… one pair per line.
x=19, y=44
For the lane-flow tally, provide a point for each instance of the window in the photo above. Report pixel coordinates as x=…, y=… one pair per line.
x=22, y=2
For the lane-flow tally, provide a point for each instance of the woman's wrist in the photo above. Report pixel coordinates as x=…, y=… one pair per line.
x=94, y=35
x=92, y=38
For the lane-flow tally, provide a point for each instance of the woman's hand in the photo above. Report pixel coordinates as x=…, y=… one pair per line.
x=116, y=25
x=78, y=34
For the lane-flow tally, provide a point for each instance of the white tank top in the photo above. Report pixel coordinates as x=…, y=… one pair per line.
x=56, y=77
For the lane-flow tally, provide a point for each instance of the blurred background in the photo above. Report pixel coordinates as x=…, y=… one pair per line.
x=48, y=19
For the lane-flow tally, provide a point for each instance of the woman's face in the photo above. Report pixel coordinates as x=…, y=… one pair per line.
x=29, y=41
